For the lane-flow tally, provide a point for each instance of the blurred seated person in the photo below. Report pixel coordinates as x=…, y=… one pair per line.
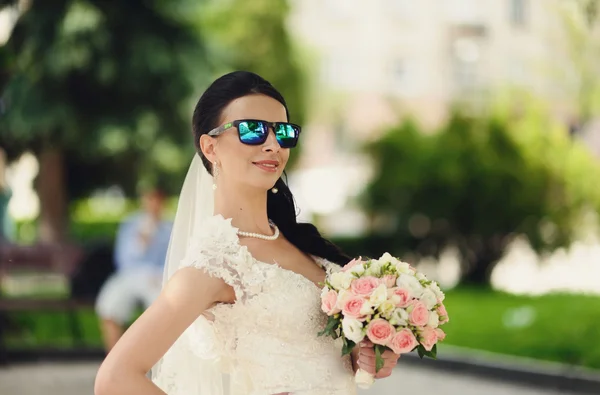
x=140, y=252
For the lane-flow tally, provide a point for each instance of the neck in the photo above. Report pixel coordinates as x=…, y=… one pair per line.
x=246, y=206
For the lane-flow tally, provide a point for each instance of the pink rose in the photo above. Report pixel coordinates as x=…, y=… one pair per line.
x=402, y=298
x=380, y=331
x=418, y=314
x=403, y=342
x=389, y=280
x=352, y=306
x=364, y=286
x=441, y=310
x=441, y=335
x=351, y=264
x=428, y=337
x=329, y=303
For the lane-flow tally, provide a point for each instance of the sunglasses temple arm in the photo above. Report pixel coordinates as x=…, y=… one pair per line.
x=220, y=129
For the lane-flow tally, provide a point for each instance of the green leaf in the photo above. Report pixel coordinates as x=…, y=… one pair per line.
x=421, y=350
x=378, y=358
x=424, y=353
x=348, y=346
x=434, y=352
x=332, y=322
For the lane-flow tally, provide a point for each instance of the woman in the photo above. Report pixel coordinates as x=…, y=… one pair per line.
x=240, y=311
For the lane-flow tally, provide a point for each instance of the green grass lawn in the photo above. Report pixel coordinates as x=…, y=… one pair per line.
x=562, y=328
x=52, y=329
x=557, y=327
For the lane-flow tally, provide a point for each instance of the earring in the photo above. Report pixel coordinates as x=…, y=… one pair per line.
x=215, y=175
x=274, y=190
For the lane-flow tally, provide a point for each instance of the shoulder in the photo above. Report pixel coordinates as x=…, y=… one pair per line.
x=189, y=286
x=216, y=244
x=216, y=250
x=217, y=239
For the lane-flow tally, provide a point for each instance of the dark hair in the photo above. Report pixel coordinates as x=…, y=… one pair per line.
x=281, y=208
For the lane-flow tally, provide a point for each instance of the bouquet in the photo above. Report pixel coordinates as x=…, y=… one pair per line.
x=387, y=302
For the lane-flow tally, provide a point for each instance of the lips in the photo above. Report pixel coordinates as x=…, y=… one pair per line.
x=270, y=166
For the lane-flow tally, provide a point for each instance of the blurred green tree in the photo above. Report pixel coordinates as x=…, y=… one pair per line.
x=102, y=86
x=581, y=22
x=479, y=181
x=253, y=36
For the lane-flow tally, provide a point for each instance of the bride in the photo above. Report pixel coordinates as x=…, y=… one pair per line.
x=240, y=310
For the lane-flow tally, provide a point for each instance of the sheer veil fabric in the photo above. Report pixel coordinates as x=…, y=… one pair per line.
x=191, y=366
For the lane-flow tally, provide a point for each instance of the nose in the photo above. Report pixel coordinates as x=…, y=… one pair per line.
x=271, y=144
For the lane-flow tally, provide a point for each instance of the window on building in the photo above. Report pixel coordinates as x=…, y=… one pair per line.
x=518, y=12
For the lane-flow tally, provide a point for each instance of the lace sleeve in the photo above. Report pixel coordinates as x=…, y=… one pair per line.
x=217, y=265
x=326, y=265
x=217, y=251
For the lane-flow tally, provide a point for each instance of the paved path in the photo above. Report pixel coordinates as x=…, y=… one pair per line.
x=78, y=378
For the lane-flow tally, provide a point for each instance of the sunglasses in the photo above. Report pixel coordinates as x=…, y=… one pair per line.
x=255, y=132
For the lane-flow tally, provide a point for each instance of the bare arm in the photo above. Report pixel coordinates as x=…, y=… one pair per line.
x=187, y=295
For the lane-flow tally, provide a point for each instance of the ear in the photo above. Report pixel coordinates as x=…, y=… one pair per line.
x=208, y=147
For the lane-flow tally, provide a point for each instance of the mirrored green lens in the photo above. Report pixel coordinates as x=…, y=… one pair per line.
x=287, y=135
x=252, y=132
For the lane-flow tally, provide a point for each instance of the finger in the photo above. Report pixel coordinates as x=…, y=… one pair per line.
x=384, y=372
x=393, y=358
x=388, y=354
x=367, y=351
x=367, y=360
x=369, y=357
x=390, y=363
x=367, y=368
x=366, y=343
x=372, y=362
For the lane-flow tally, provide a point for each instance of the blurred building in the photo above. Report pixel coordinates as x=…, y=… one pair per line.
x=377, y=61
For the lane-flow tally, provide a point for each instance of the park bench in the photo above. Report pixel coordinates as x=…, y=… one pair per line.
x=39, y=260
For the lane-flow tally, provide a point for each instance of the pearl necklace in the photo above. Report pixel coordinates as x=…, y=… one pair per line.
x=261, y=236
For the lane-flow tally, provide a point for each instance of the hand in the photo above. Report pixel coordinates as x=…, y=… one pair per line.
x=366, y=360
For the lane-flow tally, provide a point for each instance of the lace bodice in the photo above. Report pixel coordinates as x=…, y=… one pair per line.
x=266, y=342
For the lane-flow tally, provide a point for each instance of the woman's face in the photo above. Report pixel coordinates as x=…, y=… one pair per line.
x=258, y=166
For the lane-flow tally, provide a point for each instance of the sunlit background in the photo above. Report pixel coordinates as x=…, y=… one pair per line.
x=461, y=135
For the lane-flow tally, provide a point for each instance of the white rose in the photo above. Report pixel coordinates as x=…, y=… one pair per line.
x=399, y=317
x=359, y=270
x=434, y=320
x=393, y=297
x=340, y=280
x=387, y=308
x=353, y=329
x=367, y=308
x=342, y=295
x=411, y=283
x=387, y=257
x=374, y=269
x=379, y=295
x=364, y=379
x=403, y=267
x=437, y=291
x=428, y=297
x=421, y=277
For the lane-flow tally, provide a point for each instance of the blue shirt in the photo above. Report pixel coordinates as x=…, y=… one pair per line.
x=129, y=253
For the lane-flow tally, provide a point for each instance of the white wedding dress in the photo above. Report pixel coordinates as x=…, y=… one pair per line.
x=266, y=342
